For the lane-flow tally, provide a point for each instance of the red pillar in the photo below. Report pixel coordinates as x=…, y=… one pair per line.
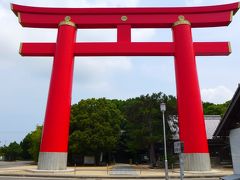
x=190, y=111
x=54, y=144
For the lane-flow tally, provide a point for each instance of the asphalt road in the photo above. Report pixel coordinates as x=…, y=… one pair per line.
x=42, y=178
x=6, y=164
x=121, y=169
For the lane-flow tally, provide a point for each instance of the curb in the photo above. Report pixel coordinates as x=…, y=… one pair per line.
x=110, y=177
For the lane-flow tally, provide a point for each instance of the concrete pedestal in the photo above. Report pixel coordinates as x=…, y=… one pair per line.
x=52, y=161
x=197, y=162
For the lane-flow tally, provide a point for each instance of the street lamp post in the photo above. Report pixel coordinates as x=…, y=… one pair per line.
x=163, y=109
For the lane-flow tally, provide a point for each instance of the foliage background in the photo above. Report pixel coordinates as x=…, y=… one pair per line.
x=118, y=130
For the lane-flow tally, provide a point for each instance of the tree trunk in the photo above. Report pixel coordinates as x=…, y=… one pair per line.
x=152, y=155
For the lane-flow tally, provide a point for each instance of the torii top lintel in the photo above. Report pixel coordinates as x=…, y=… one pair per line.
x=206, y=16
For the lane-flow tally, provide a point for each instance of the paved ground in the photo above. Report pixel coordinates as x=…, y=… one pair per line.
x=6, y=164
x=47, y=178
x=118, y=171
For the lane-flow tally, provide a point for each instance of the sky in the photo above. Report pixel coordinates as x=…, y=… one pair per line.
x=24, y=81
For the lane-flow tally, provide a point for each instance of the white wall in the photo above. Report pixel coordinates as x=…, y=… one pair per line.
x=235, y=149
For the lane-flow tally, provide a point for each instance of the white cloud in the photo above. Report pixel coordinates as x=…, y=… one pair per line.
x=116, y=3
x=207, y=2
x=96, y=76
x=97, y=35
x=143, y=35
x=95, y=70
x=193, y=2
x=80, y=3
x=219, y=94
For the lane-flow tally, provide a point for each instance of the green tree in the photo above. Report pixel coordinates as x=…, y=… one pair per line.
x=144, y=122
x=215, y=109
x=35, y=143
x=108, y=126
x=31, y=144
x=94, y=127
x=3, y=150
x=26, y=144
x=13, y=151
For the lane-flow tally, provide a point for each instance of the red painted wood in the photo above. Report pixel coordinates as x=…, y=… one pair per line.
x=124, y=49
x=124, y=33
x=151, y=10
x=57, y=117
x=212, y=48
x=127, y=49
x=37, y=49
x=190, y=111
x=135, y=20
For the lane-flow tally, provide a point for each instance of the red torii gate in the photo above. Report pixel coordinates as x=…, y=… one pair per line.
x=54, y=144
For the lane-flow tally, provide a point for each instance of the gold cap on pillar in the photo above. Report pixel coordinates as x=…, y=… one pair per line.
x=67, y=21
x=181, y=20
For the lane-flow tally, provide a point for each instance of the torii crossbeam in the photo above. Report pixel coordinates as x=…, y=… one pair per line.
x=54, y=145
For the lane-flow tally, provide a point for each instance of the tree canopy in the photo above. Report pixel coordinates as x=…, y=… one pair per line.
x=12, y=152
x=94, y=127
x=215, y=109
x=31, y=144
x=144, y=122
x=104, y=126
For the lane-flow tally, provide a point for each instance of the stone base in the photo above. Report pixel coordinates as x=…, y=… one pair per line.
x=197, y=162
x=52, y=161
x=50, y=171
